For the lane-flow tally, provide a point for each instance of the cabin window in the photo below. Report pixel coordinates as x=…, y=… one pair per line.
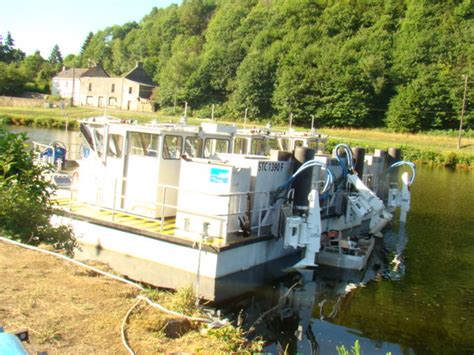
x=113, y=88
x=272, y=143
x=144, y=144
x=258, y=147
x=214, y=145
x=240, y=146
x=172, y=147
x=114, y=147
x=99, y=142
x=313, y=144
x=299, y=143
x=193, y=147
x=284, y=144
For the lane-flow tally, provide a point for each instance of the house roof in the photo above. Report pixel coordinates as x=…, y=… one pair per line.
x=70, y=73
x=96, y=71
x=139, y=75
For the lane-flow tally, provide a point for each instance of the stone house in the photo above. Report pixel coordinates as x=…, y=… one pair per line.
x=67, y=83
x=130, y=92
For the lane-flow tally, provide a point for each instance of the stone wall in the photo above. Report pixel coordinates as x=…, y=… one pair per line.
x=20, y=101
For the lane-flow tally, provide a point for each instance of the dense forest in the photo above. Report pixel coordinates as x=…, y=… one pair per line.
x=360, y=63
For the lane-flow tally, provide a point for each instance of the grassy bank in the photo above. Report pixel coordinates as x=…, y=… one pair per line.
x=421, y=148
x=431, y=148
x=56, y=118
x=71, y=310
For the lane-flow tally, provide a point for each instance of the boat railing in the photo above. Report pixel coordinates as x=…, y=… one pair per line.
x=237, y=206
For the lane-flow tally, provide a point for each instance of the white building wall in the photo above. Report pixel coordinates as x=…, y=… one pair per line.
x=64, y=87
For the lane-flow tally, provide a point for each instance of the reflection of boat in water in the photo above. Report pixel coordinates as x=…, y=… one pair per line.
x=203, y=202
x=300, y=310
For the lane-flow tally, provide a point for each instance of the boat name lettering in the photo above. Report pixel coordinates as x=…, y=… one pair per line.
x=270, y=166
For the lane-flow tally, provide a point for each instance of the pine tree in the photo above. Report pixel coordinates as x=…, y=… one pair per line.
x=86, y=42
x=56, y=57
x=9, y=43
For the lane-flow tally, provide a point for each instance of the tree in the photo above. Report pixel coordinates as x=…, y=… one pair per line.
x=8, y=53
x=12, y=80
x=25, y=197
x=56, y=57
x=86, y=42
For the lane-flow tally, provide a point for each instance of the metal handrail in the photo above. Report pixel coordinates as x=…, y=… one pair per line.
x=221, y=218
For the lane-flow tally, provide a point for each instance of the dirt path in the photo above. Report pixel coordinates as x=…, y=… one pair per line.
x=68, y=309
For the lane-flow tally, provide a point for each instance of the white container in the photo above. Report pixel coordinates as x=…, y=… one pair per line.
x=211, y=193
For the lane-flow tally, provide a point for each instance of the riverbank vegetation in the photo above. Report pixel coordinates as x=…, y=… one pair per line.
x=426, y=148
x=431, y=147
x=394, y=64
x=26, y=206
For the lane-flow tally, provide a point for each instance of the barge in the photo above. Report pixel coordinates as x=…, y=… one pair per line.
x=171, y=205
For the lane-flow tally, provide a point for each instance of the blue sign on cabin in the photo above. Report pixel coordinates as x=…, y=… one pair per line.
x=219, y=176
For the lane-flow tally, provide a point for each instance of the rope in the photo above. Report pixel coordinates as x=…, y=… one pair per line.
x=76, y=262
x=122, y=328
x=174, y=313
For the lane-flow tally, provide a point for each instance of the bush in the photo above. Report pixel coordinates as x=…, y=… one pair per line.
x=25, y=197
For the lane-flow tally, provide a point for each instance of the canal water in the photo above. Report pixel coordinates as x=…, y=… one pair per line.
x=416, y=296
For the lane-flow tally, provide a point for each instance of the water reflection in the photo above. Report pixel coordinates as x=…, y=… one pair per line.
x=299, y=314
x=416, y=296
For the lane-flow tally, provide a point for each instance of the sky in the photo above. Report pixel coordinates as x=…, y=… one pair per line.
x=40, y=24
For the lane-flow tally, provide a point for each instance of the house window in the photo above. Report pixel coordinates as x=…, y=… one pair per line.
x=90, y=86
x=130, y=90
x=113, y=88
x=89, y=100
x=112, y=101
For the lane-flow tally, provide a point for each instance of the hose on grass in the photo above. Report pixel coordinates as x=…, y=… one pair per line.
x=121, y=279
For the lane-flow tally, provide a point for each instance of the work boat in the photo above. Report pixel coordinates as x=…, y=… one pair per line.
x=170, y=204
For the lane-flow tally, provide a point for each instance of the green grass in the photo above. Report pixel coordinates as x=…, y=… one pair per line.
x=430, y=147
x=422, y=148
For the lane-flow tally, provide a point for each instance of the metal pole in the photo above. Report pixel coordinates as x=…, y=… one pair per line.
x=462, y=110
x=212, y=112
x=205, y=227
x=312, y=123
x=291, y=119
x=115, y=194
x=185, y=109
x=68, y=143
x=245, y=117
x=73, y=81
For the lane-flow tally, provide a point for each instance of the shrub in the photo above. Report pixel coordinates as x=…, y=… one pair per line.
x=25, y=197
